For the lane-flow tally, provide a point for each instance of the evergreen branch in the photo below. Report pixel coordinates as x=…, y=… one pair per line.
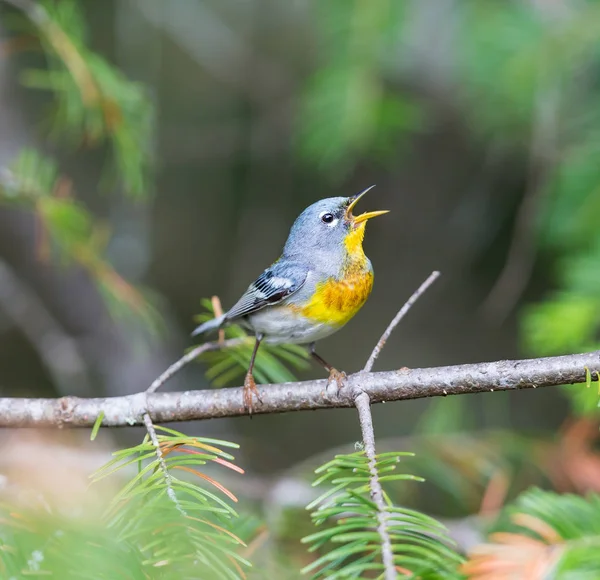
x=363, y=405
x=67, y=230
x=156, y=384
x=123, y=411
x=174, y=522
x=163, y=466
x=94, y=103
x=159, y=382
x=354, y=517
x=63, y=46
x=349, y=545
x=552, y=535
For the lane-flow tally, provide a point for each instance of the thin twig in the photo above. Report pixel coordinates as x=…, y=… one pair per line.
x=163, y=465
x=363, y=405
x=124, y=411
x=189, y=357
x=401, y=314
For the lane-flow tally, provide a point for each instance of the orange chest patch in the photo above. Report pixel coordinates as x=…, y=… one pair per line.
x=337, y=301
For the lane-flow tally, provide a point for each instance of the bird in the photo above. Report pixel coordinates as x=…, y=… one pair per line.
x=320, y=281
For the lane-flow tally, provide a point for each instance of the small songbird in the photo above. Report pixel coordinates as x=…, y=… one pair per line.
x=319, y=283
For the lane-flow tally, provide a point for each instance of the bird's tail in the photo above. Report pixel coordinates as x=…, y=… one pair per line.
x=213, y=324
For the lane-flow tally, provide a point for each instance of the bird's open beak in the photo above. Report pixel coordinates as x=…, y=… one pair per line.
x=363, y=217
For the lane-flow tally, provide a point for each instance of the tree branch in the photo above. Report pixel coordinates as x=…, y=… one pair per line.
x=302, y=396
x=162, y=463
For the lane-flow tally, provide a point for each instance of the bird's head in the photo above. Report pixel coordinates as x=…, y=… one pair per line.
x=330, y=225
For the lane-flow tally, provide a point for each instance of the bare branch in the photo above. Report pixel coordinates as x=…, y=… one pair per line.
x=380, y=386
x=396, y=320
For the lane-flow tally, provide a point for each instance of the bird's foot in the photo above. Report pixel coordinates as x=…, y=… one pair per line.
x=250, y=390
x=338, y=377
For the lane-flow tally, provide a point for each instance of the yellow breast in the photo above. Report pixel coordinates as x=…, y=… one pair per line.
x=337, y=301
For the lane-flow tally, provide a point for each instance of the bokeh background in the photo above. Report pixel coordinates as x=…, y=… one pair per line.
x=477, y=121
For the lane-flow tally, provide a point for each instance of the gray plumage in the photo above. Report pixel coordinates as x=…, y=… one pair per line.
x=275, y=284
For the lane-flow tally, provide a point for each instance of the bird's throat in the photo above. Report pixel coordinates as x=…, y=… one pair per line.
x=354, y=244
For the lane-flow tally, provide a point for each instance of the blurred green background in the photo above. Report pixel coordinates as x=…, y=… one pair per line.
x=477, y=121
x=154, y=154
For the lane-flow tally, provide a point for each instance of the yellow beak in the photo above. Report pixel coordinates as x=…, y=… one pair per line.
x=364, y=216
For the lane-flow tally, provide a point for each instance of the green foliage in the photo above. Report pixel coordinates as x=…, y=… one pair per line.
x=583, y=514
x=94, y=102
x=568, y=320
x=35, y=545
x=351, y=546
x=225, y=365
x=541, y=101
x=559, y=325
x=525, y=84
x=347, y=110
x=194, y=522
x=557, y=535
x=67, y=232
x=515, y=55
x=94, y=105
x=164, y=523
x=158, y=525
x=564, y=323
x=508, y=37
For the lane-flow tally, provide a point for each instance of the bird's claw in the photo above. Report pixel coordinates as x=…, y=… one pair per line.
x=250, y=390
x=339, y=377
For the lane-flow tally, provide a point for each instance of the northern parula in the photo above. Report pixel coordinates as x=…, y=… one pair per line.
x=319, y=283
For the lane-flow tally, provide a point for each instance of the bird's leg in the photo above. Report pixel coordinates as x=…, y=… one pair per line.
x=249, y=382
x=334, y=375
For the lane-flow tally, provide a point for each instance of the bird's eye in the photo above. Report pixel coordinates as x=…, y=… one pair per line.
x=327, y=218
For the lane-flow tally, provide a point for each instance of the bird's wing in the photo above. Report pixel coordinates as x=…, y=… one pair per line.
x=276, y=283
